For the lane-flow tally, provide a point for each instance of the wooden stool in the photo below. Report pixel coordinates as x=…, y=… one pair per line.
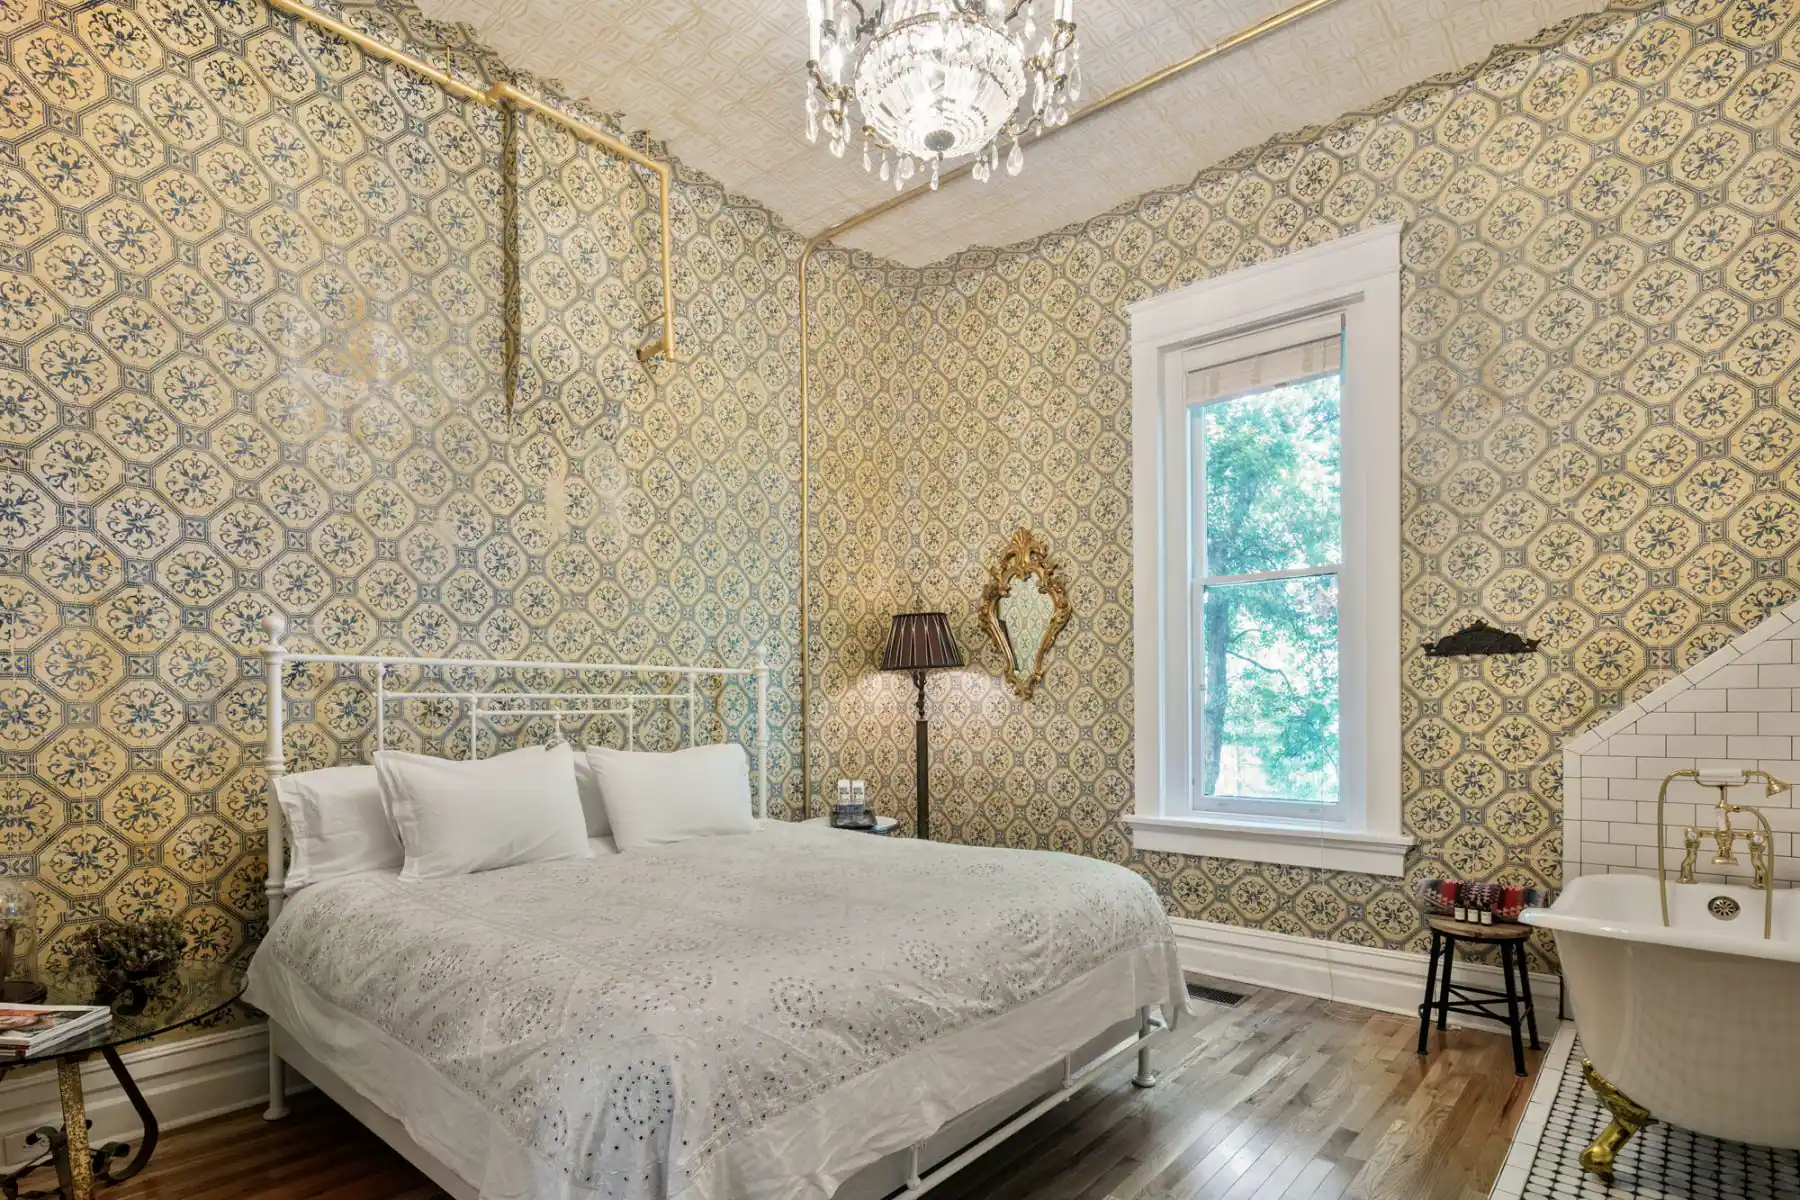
x=1464, y=998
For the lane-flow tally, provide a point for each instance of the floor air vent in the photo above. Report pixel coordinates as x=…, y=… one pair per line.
x=1215, y=995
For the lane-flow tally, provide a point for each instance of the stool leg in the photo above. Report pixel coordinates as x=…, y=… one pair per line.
x=1444, y=983
x=1525, y=992
x=1430, y=987
x=1512, y=1008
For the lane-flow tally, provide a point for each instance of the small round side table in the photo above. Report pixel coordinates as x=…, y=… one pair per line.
x=1480, y=1001
x=190, y=993
x=883, y=827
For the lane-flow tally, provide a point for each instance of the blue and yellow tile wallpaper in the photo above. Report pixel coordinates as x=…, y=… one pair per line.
x=250, y=336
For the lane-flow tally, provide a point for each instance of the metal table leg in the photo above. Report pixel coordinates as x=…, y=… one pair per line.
x=146, y=1146
x=1444, y=984
x=1512, y=1004
x=1431, y=974
x=74, y=1164
x=1525, y=991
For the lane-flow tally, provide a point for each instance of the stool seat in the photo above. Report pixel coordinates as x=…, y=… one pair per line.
x=1468, y=931
x=1443, y=997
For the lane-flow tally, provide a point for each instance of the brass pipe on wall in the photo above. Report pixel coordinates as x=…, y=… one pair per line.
x=1233, y=41
x=502, y=95
x=380, y=49
x=513, y=313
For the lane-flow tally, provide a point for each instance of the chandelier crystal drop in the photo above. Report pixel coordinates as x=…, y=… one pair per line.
x=922, y=82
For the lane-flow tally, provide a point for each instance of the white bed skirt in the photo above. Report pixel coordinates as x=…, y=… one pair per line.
x=852, y=1142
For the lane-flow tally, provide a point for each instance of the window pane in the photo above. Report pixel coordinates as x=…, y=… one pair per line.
x=1271, y=478
x=1267, y=655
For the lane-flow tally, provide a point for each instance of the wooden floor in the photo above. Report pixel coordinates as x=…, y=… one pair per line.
x=1280, y=1096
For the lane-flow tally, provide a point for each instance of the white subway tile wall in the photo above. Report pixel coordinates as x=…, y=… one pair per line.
x=1737, y=708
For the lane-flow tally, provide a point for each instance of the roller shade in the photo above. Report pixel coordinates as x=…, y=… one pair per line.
x=1267, y=358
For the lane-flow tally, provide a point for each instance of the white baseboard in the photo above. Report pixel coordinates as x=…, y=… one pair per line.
x=1387, y=980
x=183, y=1081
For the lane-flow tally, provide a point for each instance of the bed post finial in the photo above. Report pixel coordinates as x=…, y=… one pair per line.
x=274, y=763
x=762, y=732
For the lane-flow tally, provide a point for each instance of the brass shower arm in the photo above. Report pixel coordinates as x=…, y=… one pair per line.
x=502, y=95
x=1771, y=785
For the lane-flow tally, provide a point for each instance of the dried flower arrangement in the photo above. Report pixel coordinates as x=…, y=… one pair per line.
x=126, y=959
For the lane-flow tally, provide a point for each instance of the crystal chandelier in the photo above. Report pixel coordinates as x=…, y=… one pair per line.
x=939, y=79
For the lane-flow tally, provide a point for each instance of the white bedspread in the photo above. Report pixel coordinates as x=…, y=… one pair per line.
x=698, y=1021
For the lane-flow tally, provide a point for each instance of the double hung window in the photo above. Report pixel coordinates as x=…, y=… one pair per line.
x=1266, y=561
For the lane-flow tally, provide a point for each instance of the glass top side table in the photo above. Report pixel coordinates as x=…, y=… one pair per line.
x=192, y=992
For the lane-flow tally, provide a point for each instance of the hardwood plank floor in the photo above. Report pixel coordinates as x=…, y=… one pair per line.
x=1282, y=1096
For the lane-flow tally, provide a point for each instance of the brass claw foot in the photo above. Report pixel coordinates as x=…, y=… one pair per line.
x=1628, y=1118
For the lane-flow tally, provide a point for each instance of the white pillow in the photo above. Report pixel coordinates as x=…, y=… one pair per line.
x=455, y=818
x=337, y=825
x=656, y=799
x=593, y=806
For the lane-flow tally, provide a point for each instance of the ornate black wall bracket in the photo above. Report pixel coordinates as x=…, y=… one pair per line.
x=1480, y=638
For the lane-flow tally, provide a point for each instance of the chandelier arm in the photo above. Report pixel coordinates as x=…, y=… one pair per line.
x=877, y=141
x=834, y=92
x=864, y=22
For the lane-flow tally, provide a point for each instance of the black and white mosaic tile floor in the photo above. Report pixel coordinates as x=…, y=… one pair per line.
x=1661, y=1163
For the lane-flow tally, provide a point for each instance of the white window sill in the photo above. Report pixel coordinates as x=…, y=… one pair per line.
x=1270, y=840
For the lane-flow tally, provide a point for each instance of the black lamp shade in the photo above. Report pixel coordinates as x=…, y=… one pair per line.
x=920, y=641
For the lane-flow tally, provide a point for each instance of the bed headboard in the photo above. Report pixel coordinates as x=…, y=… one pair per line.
x=481, y=706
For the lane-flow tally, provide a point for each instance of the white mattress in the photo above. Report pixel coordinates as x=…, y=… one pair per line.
x=750, y=1017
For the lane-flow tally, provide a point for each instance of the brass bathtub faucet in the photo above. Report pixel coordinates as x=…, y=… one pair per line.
x=1755, y=841
x=1759, y=842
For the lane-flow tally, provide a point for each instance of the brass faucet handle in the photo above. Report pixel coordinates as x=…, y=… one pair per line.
x=1760, y=854
x=1690, y=839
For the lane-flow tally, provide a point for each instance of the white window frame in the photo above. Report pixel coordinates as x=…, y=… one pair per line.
x=1358, y=276
x=1215, y=353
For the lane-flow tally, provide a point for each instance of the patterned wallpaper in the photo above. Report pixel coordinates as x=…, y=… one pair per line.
x=250, y=331
x=1600, y=413
x=249, y=299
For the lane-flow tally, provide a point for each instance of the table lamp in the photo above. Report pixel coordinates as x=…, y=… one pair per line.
x=921, y=642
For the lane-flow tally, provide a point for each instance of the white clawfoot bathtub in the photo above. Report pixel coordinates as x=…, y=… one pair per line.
x=1697, y=1022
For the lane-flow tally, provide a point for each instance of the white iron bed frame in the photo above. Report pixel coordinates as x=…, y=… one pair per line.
x=903, y=1176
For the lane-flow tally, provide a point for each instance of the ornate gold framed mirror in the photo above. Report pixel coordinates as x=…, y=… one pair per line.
x=1023, y=608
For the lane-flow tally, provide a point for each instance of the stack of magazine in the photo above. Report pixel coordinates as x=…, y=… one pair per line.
x=27, y=1030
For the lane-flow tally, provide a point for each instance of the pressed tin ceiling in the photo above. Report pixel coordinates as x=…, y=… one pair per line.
x=723, y=82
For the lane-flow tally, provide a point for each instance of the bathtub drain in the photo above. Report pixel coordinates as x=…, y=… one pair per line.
x=1723, y=907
